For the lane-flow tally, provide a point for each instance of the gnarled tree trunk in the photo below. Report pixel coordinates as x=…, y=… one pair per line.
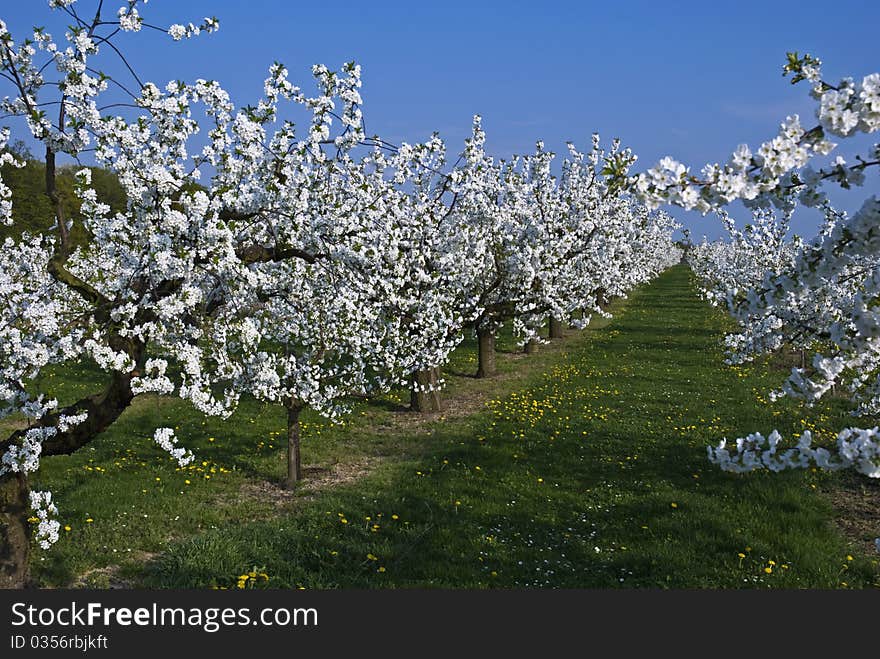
x=425, y=392
x=103, y=409
x=294, y=462
x=531, y=347
x=15, y=537
x=556, y=328
x=486, y=366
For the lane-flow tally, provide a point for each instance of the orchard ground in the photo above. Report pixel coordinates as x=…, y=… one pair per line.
x=581, y=466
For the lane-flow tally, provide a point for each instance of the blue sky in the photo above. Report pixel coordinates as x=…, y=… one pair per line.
x=688, y=79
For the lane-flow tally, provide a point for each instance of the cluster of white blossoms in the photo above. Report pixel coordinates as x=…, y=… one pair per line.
x=728, y=269
x=817, y=296
x=178, y=31
x=44, y=510
x=165, y=439
x=297, y=266
x=129, y=18
x=769, y=175
x=6, y=158
x=856, y=448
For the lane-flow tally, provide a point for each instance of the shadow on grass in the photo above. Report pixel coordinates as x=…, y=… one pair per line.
x=593, y=474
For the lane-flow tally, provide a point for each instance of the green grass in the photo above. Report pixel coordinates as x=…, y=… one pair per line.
x=584, y=467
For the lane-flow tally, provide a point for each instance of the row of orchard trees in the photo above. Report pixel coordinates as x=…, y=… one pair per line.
x=254, y=257
x=819, y=296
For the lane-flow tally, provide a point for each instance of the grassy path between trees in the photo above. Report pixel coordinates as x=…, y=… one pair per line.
x=581, y=466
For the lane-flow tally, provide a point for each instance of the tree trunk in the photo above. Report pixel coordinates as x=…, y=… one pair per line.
x=531, y=347
x=426, y=401
x=294, y=464
x=15, y=537
x=486, y=346
x=102, y=409
x=555, y=328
